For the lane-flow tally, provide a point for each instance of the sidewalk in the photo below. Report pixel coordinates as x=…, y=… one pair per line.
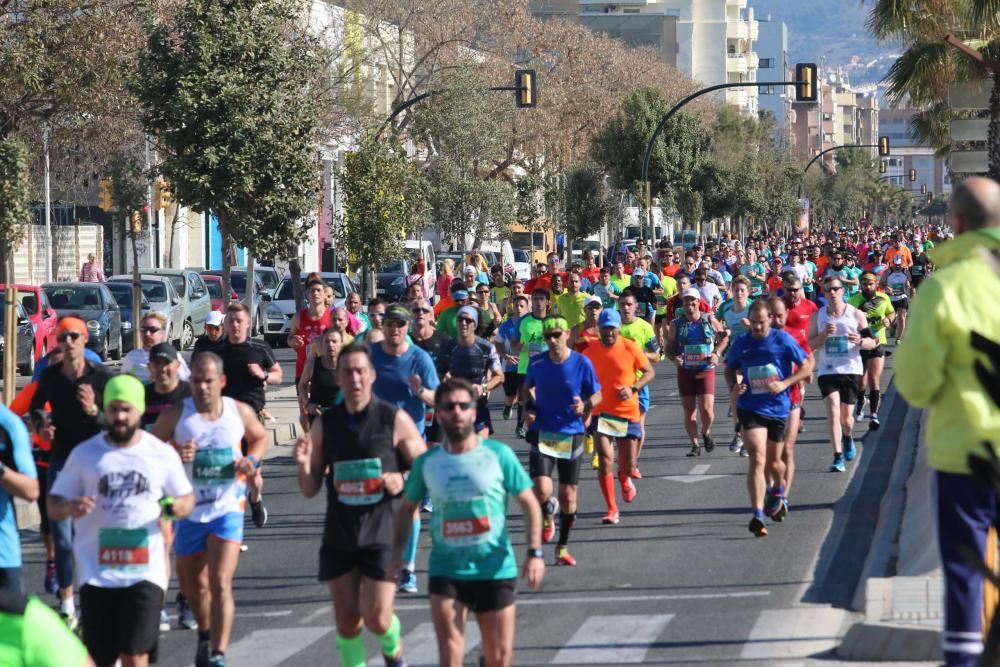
x=900, y=591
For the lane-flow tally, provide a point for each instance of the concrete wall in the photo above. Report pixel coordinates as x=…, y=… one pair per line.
x=71, y=244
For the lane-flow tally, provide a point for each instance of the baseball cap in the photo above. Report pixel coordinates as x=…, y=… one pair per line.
x=777, y=260
x=126, y=388
x=215, y=319
x=397, y=312
x=610, y=318
x=470, y=270
x=690, y=293
x=470, y=312
x=163, y=352
x=460, y=295
x=71, y=324
x=591, y=300
x=638, y=273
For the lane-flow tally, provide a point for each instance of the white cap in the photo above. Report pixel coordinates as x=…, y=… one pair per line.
x=470, y=270
x=690, y=293
x=593, y=298
x=215, y=319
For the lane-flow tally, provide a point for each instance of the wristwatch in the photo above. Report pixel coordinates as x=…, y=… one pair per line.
x=537, y=552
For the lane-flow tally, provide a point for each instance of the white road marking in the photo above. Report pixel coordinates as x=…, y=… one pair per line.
x=607, y=640
x=316, y=613
x=420, y=644
x=697, y=474
x=530, y=600
x=273, y=647
x=700, y=469
x=782, y=634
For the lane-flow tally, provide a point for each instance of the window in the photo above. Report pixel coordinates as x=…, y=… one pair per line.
x=767, y=90
x=766, y=63
x=827, y=117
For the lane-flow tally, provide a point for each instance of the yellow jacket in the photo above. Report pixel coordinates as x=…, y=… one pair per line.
x=935, y=362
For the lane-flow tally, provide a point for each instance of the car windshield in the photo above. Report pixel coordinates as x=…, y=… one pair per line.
x=522, y=256
x=74, y=297
x=396, y=266
x=154, y=291
x=285, y=293
x=123, y=295
x=214, y=289
x=268, y=279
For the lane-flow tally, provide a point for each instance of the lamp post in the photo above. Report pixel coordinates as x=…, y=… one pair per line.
x=48, y=211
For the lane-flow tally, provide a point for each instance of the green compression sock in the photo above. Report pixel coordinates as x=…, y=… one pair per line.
x=351, y=650
x=390, y=640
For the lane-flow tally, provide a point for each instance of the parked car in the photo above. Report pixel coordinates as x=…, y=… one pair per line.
x=161, y=296
x=122, y=292
x=92, y=303
x=238, y=283
x=195, y=298
x=522, y=264
x=269, y=277
x=214, y=285
x=43, y=318
x=390, y=280
x=279, y=310
x=24, y=350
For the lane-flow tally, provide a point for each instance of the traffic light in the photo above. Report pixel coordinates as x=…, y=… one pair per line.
x=526, y=88
x=913, y=175
x=162, y=195
x=881, y=166
x=136, y=222
x=806, y=82
x=104, y=200
x=883, y=146
x=923, y=189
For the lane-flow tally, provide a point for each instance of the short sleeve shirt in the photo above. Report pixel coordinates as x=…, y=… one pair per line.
x=555, y=386
x=761, y=361
x=392, y=380
x=616, y=367
x=240, y=384
x=529, y=334
x=15, y=453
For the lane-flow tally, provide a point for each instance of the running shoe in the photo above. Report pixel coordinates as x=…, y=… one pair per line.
x=635, y=474
x=757, y=527
x=838, y=463
x=508, y=412
x=258, y=512
x=407, y=582
x=51, y=583
x=782, y=512
x=709, y=442
x=628, y=491
x=185, y=615
x=771, y=502
x=394, y=662
x=203, y=653
x=850, y=451
x=520, y=432
x=743, y=451
x=611, y=517
x=244, y=547
x=548, y=529
x=588, y=444
x=71, y=620
x=427, y=505
x=164, y=620
x=874, y=424
x=563, y=557
x=695, y=451
x=217, y=660
x=595, y=461
x=859, y=409
x=736, y=444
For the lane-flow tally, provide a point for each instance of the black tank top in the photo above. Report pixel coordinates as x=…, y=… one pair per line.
x=323, y=387
x=346, y=437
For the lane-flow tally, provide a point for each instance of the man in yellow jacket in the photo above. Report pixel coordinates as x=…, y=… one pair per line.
x=936, y=368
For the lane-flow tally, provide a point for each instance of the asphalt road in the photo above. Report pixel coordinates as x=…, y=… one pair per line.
x=679, y=581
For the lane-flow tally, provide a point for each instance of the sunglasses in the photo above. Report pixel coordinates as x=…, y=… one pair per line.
x=552, y=335
x=835, y=288
x=482, y=291
x=418, y=311
x=448, y=406
x=70, y=335
x=150, y=330
x=466, y=320
x=793, y=290
x=396, y=323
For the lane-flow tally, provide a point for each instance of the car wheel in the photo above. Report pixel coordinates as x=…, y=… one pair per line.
x=117, y=353
x=27, y=369
x=104, y=348
x=187, y=336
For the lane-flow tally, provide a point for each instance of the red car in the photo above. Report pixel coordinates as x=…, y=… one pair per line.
x=214, y=284
x=43, y=318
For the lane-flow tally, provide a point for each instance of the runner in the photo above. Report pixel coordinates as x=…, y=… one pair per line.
x=18, y=479
x=838, y=333
x=355, y=450
x=214, y=337
x=618, y=362
x=570, y=302
x=879, y=311
x=489, y=315
x=502, y=342
x=640, y=332
x=318, y=388
x=427, y=338
x=896, y=282
x=734, y=315
x=208, y=430
x=708, y=290
x=694, y=342
x=562, y=390
x=153, y=331
x=528, y=339
x=589, y=333
x=606, y=290
x=307, y=324
x=472, y=563
x=353, y=306
x=922, y=265
x=48, y=643
x=765, y=360
x=375, y=333
x=115, y=486
x=474, y=360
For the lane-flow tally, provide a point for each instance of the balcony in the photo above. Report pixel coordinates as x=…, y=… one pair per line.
x=754, y=30
x=753, y=60
x=738, y=97
x=736, y=29
x=742, y=4
x=736, y=63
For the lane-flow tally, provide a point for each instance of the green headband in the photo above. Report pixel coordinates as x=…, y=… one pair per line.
x=555, y=323
x=125, y=388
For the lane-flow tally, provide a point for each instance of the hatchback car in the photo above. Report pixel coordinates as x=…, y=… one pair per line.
x=279, y=310
x=43, y=318
x=194, y=297
x=214, y=284
x=159, y=293
x=92, y=303
x=25, y=352
x=122, y=292
x=238, y=283
x=390, y=280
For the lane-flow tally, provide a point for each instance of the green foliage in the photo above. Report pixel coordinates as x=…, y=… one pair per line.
x=15, y=194
x=128, y=182
x=589, y=203
x=382, y=197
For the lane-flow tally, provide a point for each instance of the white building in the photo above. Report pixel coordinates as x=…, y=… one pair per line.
x=774, y=65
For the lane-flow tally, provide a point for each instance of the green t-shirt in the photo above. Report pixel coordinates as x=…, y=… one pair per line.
x=529, y=333
x=669, y=287
x=810, y=287
x=621, y=283
x=570, y=306
x=38, y=638
x=733, y=319
x=468, y=528
x=448, y=321
x=875, y=309
x=642, y=334
x=758, y=281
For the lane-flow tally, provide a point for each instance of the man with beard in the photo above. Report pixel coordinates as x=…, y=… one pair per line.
x=115, y=486
x=472, y=563
x=207, y=430
x=878, y=308
x=355, y=450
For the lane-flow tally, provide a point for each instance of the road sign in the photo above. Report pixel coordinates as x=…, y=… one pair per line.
x=969, y=162
x=970, y=95
x=970, y=129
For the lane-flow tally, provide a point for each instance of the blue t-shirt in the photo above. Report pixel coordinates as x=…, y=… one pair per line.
x=505, y=334
x=15, y=452
x=555, y=386
x=761, y=361
x=392, y=380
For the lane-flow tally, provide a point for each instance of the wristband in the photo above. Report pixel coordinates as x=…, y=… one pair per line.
x=253, y=461
x=167, y=507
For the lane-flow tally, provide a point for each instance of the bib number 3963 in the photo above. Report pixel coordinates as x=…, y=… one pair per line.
x=123, y=550
x=465, y=523
x=358, y=482
x=760, y=378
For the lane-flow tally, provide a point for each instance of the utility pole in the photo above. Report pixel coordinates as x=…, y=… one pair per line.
x=48, y=213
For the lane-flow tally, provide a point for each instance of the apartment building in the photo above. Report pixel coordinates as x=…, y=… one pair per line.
x=774, y=65
x=907, y=154
x=843, y=115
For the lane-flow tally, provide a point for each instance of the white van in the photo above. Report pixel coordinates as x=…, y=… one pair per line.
x=424, y=250
x=503, y=250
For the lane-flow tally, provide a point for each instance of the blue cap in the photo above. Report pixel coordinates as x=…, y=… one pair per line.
x=460, y=295
x=610, y=318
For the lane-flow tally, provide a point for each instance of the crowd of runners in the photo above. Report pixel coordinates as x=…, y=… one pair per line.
x=395, y=405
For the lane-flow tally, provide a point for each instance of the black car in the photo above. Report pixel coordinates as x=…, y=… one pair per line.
x=390, y=280
x=25, y=338
x=122, y=292
x=94, y=304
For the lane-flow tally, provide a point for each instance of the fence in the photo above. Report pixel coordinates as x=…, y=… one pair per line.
x=70, y=246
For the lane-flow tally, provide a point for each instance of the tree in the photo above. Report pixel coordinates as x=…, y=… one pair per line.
x=15, y=204
x=589, y=203
x=232, y=93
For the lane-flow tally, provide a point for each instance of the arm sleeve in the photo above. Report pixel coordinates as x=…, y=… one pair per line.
x=515, y=479
x=921, y=360
x=38, y=398
x=22, y=402
x=415, y=489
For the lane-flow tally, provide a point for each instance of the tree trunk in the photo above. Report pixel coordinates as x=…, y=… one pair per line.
x=173, y=235
x=993, y=133
x=249, y=296
x=295, y=271
x=227, y=262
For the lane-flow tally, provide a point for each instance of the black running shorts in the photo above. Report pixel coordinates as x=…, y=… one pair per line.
x=120, y=620
x=488, y=595
x=541, y=465
x=372, y=562
x=775, y=426
x=845, y=385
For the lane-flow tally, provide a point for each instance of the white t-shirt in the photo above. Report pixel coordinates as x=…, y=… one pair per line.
x=119, y=543
x=136, y=363
x=710, y=293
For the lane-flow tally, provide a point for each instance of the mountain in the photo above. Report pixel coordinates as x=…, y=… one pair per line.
x=834, y=29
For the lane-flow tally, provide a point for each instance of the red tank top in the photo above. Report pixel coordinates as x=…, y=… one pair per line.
x=310, y=328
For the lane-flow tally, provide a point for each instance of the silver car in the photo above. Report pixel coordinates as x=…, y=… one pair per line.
x=162, y=297
x=279, y=310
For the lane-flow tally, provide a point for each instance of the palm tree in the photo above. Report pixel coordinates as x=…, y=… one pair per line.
x=922, y=74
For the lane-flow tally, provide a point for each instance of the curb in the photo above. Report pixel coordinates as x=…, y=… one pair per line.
x=888, y=641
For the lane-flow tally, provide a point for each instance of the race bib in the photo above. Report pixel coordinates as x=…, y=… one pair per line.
x=896, y=290
x=123, y=550
x=464, y=523
x=213, y=467
x=615, y=427
x=696, y=355
x=836, y=346
x=760, y=377
x=556, y=445
x=917, y=270
x=358, y=482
